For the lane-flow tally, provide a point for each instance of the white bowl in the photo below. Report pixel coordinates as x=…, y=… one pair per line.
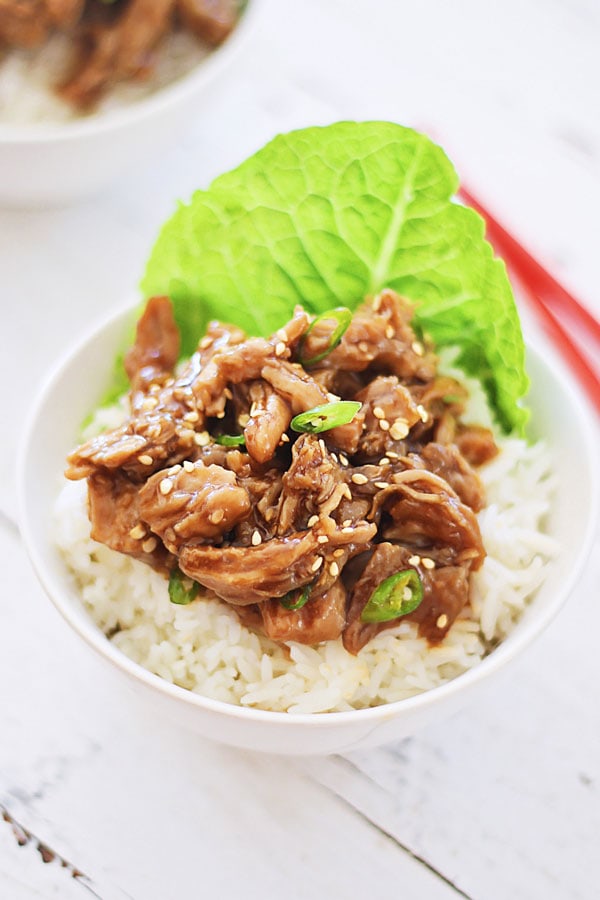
x=76, y=387
x=50, y=164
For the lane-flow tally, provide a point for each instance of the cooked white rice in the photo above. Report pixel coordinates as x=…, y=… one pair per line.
x=28, y=79
x=204, y=648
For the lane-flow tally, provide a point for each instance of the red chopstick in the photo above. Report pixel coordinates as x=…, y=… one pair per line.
x=549, y=299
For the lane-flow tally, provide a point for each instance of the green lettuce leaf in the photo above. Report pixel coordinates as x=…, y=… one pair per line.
x=326, y=216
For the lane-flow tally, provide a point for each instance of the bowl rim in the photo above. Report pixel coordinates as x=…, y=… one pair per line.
x=82, y=623
x=113, y=120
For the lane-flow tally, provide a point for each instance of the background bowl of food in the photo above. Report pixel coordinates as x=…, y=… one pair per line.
x=87, y=89
x=374, y=533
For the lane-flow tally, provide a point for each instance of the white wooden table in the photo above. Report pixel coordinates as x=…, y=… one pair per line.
x=503, y=801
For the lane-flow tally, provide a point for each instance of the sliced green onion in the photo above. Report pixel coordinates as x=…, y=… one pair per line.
x=343, y=317
x=288, y=602
x=231, y=440
x=182, y=590
x=397, y=596
x=322, y=418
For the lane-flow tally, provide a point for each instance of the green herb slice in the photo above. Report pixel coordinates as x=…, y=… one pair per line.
x=342, y=316
x=396, y=596
x=182, y=590
x=231, y=440
x=325, y=417
x=288, y=602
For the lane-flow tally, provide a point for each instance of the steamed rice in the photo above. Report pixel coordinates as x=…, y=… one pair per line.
x=203, y=647
x=28, y=79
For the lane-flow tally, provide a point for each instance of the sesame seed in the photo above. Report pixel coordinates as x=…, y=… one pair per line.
x=174, y=469
x=378, y=412
x=282, y=333
x=192, y=416
x=138, y=532
x=344, y=460
x=347, y=529
x=381, y=484
x=389, y=332
x=317, y=564
x=363, y=346
x=417, y=347
x=334, y=569
x=280, y=349
x=243, y=420
x=322, y=446
x=399, y=430
x=422, y=413
x=414, y=560
x=359, y=478
x=346, y=522
x=145, y=460
x=339, y=552
x=384, y=461
x=149, y=545
x=227, y=393
x=285, y=438
x=312, y=521
x=346, y=492
x=322, y=539
x=166, y=486
x=256, y=538
x=384, y=424
x=217, y=516
x=202, y=438
x=393, y=455
x=150, y=403
x=427, y=563
x=221, y=415
x=442, y=621
x=188, y=465
x=205, y=342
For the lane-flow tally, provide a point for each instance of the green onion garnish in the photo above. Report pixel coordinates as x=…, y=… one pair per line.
x=397, y=596
x=343, y=317
x=182, y=590
x=322, y=418
x=288, y=602
x=231, y=440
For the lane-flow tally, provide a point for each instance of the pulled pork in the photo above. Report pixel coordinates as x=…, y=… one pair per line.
x=209, y=477
x=112, y=42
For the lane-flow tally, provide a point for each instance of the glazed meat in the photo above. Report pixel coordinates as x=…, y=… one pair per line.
x=112, y=42
x=225, y=473
x=27, y=23
x=210, y=20
x=116, y=52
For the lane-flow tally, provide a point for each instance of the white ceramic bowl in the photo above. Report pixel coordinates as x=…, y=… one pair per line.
x=51, y=164
x=75, y=388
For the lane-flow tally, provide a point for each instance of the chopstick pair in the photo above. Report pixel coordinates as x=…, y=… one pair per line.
x=553, y=304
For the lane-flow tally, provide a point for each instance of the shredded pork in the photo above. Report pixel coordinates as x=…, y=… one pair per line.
x=112, y=42
x=295, y=530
